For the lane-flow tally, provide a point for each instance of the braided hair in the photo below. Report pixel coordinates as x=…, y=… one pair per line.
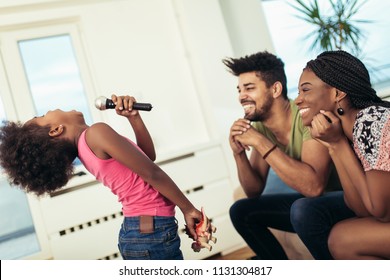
x=267, y=66
x=347, y=73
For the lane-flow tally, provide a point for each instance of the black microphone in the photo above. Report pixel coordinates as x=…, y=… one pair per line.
x=103, y=103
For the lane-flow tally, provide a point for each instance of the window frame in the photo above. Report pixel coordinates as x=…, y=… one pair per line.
x=19, y=104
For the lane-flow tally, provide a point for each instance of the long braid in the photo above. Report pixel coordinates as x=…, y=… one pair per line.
x=347, y=73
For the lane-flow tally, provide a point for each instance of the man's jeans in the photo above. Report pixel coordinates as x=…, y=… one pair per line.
x=313, y=218
x=252, y=216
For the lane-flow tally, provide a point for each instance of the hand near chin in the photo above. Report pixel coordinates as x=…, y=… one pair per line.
x=326, y=128
x=238, y=128
x=248, y=138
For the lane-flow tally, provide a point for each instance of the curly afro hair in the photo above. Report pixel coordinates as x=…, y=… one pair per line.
x=267, y=66
x=33, y=160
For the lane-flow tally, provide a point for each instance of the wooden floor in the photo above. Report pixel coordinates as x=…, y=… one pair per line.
x=241, y=254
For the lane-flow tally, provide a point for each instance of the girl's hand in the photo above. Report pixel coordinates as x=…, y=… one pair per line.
x=124, y=105
x=326, y=127
x=192, y=217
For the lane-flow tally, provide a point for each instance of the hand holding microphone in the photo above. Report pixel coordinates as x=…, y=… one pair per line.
x=103, y=103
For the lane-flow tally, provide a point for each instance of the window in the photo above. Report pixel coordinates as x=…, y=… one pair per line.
x=288, y=33
x=43, y=73
x=53, y=75
x=17, y=232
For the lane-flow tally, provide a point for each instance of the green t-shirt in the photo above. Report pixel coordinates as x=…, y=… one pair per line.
x=299, y=134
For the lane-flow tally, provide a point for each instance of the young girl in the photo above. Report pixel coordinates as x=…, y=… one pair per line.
x=38, y=156
x=337, y=101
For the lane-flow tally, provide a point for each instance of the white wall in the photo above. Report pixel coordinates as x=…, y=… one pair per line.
x=167, y=52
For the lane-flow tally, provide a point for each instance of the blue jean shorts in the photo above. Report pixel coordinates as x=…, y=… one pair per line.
x=162, y=244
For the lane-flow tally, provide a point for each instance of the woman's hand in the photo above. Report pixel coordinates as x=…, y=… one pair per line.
x=326, y=127
x=124, y=105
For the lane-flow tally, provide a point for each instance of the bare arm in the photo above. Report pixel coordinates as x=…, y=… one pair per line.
x=364, y=191
x=351, y=196
x=308, y=176
x=113, y=145
x=144, y=140
x=252, y=173
x=379, y=194
x=367, y=193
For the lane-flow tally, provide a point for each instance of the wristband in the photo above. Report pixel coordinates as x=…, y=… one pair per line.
x=269, y=151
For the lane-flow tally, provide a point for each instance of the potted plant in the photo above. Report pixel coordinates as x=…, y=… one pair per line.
x=336, y=30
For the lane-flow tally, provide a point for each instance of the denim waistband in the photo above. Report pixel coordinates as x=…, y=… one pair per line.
x=159, y=221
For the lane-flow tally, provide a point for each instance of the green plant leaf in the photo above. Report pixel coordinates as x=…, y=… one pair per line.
x=336, y=31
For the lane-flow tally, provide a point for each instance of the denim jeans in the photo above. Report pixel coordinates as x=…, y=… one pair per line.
x=252, y=216
x=162, y=244
x=313, y=218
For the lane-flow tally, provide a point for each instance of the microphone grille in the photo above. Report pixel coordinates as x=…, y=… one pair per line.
x=100, y=103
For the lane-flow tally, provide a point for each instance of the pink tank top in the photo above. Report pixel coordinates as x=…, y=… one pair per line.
x=136, y=195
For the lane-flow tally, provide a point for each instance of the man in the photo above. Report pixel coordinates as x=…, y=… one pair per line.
x=278, y=140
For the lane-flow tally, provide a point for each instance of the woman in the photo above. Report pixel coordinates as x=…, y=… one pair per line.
x=344, y=113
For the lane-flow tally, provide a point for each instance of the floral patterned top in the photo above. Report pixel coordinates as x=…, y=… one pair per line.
x=371, y=138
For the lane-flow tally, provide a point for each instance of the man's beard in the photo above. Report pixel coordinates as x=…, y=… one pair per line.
x=261, y=114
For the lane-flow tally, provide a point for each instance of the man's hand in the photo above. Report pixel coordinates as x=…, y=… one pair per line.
x=248, y=137
x=238, y=128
